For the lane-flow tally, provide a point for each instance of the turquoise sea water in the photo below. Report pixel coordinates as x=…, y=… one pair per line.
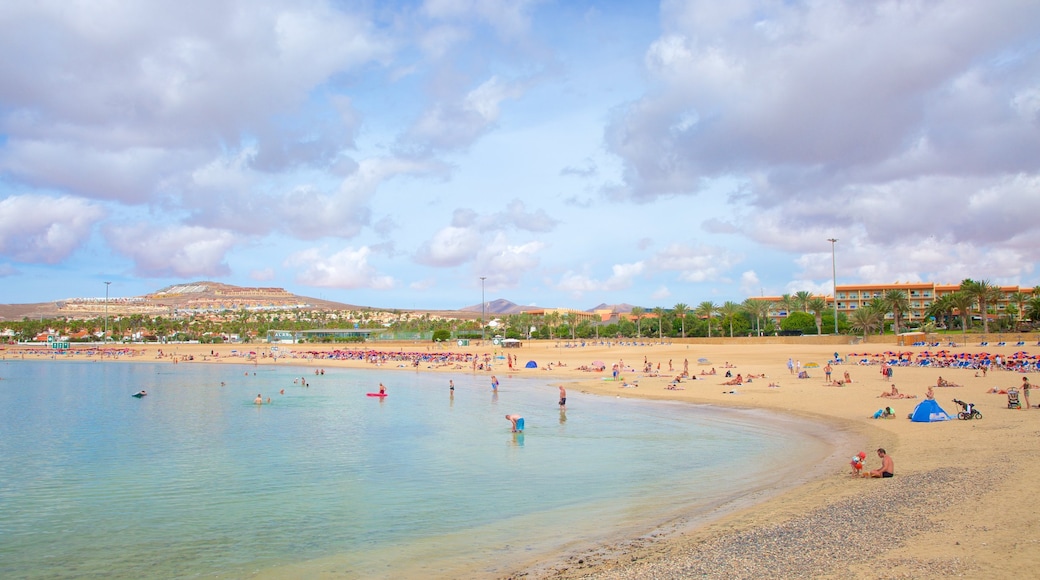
x=194, y=480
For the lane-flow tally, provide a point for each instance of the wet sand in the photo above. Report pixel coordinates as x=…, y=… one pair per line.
x=958, y=506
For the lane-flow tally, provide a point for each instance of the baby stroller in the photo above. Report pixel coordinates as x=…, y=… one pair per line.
x=968, y=411
x=1013, y=398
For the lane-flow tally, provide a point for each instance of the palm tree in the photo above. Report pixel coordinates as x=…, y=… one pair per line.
x=757, y=309
x=659, y=312
x=897, y=303
x=707, y=309
x=638, y=313
x=983, y=293
x=942, y=309
x=551, y=320
x=818, y=305
x=1020, y=298
x=729, y=309
x=680, y=311
x=788, y=303
x=878, y=306
x=962, y=302
x=1033, y=308
x=803, y=297
x=865, y=320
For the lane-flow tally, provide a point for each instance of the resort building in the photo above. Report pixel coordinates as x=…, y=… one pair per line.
x=921, y=295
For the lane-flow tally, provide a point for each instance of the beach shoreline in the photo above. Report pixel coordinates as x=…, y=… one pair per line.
x=979, y=467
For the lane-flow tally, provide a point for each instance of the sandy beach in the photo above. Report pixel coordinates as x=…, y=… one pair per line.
x=958, y=505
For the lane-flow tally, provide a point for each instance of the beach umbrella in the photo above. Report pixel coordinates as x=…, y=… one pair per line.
x=812, y=365
x=599, y=364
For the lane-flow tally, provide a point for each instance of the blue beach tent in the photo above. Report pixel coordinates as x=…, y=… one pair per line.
x=531, y=364
x=927, y=411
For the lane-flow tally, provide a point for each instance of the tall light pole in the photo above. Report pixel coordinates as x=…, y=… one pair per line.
x=104, y=337
x=834, y=283
x=482, y=303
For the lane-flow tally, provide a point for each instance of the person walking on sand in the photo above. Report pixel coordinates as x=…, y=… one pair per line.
x=827, y=371
x=790, y=365
x=563, y=398
x=887, y=466
x=1025, y=391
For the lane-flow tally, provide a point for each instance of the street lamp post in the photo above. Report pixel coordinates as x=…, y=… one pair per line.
x=482, y=303
x=834, y=283
x=104, y=337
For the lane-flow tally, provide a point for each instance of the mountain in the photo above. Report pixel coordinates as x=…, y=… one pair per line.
x=612, y=307
x=202, y=295
x=499, y=306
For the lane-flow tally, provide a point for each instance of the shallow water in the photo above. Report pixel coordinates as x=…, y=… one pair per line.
x=195, y=480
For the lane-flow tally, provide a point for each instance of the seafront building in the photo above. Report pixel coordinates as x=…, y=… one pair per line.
x=921, y=295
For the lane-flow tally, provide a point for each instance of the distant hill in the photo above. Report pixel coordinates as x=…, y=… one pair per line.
x=499, y=306
x=612, y=307
x=192, y=295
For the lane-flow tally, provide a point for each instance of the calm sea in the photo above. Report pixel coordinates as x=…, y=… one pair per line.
x=194, y=480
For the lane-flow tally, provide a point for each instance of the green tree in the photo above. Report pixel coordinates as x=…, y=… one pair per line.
x=941, y=309
x=802, y=298
x=802, y=321
x=983, y=293
x=638, y=313
x=788, y=303
x=962, y=302
x=865, y=320
x=897, y=303
x=878, y=306
x=757, y=309
x=680, y=313
x=659, y=312
x=729, y=310
x=818, y=305
x=707, y=310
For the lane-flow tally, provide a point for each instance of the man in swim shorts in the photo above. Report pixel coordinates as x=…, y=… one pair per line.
x=887, y=466
x=517, y=421
x=563, y=398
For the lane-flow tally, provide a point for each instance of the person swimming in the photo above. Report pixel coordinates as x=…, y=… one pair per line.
x=139, y=394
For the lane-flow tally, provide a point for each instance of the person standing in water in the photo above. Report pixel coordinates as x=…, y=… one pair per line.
x=517, y=421
x=382, y=389
x=563, y=398
x=494, y=383
x=259, y=400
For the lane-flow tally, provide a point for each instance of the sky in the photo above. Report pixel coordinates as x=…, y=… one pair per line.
x=433, y=154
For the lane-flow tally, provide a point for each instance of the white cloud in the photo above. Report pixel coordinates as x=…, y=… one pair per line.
x=346, y=269
x=693, y=263
x=450, y=246
x=177, y=251
x=36, y=228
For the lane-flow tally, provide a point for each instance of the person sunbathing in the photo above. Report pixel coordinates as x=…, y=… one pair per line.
x=944, y=383
x=848, y=379
x=895, y=394
x=737, y=380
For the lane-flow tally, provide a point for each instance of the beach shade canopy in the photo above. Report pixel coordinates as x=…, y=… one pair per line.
x=598, y=364
x=928, y=411
x=531, y=364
